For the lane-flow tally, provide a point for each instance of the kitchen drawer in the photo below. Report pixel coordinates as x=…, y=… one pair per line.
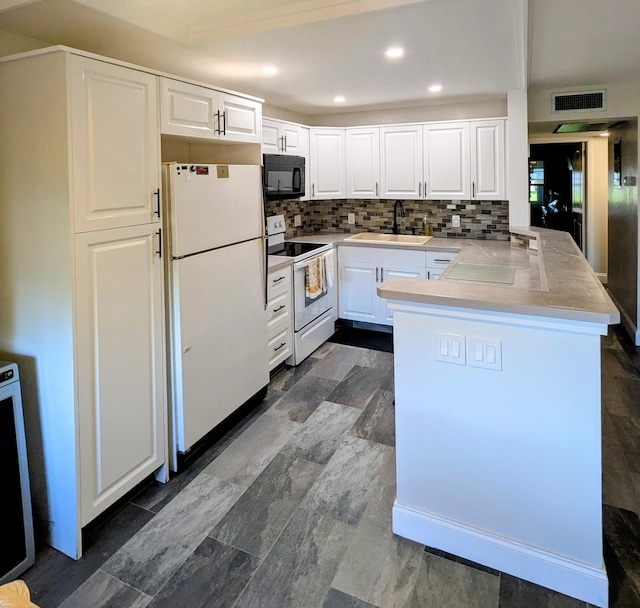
x=381, y=255
x=440, y=259
x=279, y=307
x=280, y=344
x=277, y=280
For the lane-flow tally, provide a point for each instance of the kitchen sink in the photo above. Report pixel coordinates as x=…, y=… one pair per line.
x=389, y=239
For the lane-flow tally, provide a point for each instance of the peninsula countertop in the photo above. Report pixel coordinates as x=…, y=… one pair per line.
x=554, y=281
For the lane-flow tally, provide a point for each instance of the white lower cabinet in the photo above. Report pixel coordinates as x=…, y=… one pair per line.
x=362, y=269
x=437, y=262
x=279, y=316
x=120, y=363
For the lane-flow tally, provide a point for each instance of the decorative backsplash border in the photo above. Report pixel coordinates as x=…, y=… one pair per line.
x=487, y=220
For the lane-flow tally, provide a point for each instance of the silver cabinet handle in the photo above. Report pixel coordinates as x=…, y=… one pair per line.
x=285, y=142
x=376, y=188
x=313, y=190
x=419, y=189
x=377, y=274
x=277, y=280
x=473, y=186
x=277, y=348
x=425, y=189
x=279, y=308
x=381, y=274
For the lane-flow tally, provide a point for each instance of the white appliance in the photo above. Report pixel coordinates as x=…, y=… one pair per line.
x=314, y=319
x=216, y=296
x=16, y=524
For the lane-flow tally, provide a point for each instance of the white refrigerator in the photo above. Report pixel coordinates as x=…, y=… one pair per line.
x=216, y=269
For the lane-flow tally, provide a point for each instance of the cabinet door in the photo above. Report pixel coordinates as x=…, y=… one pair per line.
x=358, y=300
x=327, y=164
x=239, y=119
x=121, y=398
x=487, y=160
x=401, y=162
x=403, y=272
x=271, y=137
x=293, y=143
x=363, y=163
x=186, y=109
x=446, y=160
x=116, y=151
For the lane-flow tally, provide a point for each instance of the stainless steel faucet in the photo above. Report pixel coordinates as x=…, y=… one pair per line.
x=395, y=215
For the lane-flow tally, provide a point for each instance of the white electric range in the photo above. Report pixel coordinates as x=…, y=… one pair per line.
x=314, y=318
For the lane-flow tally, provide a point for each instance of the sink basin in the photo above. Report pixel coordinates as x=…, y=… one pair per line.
x=389, y=239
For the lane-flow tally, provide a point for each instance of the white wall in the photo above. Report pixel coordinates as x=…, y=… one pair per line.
x=11, y=43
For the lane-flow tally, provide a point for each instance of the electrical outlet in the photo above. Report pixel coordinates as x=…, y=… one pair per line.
x=352, y=218
x=297, y=221
x=455, y=221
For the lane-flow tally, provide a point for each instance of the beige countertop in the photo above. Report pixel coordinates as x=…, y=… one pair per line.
x=554, y=282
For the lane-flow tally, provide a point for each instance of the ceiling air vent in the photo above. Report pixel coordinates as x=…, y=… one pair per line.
x=578, y=101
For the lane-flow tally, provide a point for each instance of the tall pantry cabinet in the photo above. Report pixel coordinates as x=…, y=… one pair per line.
x=81, y=274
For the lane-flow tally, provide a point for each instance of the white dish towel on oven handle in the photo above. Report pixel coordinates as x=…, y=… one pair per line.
x=328, y=267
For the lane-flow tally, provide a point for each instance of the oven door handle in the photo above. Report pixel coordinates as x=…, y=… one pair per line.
x=301, y=265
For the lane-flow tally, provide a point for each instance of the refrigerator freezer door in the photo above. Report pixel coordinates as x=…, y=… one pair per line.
x=219, y=335
x=209, y=211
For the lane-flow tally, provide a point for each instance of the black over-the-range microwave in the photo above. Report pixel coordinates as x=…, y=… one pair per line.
x=283, y=176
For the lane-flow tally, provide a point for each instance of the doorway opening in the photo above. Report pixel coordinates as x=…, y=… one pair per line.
x=557, y=193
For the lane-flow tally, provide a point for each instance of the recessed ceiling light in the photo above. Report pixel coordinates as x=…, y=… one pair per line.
x=270, y=70
x=435, y=88
x=339, y=99
x=394, y=52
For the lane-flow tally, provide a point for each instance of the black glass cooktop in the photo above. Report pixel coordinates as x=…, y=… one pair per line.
x=293, y=250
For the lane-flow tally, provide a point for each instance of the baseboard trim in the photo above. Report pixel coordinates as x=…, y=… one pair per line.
x=562, y=574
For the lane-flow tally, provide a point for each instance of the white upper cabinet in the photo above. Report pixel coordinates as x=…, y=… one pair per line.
x=401, y=162
x=194, y=111
x=328, y=174
x=116, y=157
x=446, y=161
x=363, y=162
x=283, y=138
x=241, y=119
x=187, y=109
x=487, y=159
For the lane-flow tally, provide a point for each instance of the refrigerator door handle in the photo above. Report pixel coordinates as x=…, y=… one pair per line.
x=265, y=248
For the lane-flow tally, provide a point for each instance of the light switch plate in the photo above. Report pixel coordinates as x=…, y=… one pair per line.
x=450, y=348
x=455, y=221
x=351, y=218
x=297, y=221
x=485, y=353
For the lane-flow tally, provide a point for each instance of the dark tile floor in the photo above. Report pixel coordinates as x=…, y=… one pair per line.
x=292, y=508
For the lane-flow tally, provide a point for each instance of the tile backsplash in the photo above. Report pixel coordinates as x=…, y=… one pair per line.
x=478, y=219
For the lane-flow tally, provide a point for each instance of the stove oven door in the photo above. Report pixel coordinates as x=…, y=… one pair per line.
x=305, y=309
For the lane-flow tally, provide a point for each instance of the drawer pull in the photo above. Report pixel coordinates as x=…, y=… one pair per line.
x=441, y=261
x=277, y=280
x=277, y=348
x=279, y=307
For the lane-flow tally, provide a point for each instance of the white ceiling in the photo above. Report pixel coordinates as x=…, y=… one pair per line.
x=323, y=48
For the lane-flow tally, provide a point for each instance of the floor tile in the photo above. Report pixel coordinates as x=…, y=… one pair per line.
x=379, y=567
x=258, y=517
x=105, y=591
x=250, y=453
x=288, y=376
x=517, y=593
x=299, y=402
x=622, y=556
x=350, y=479
x=338, y=363
x=358, y=387
x=377, y=422
x=443, y=583
x=337, y=599
x=298, y=570
x=376, y=359
x=214, y=575
x=54, y=577
x=322, y=433
x=150, y=558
